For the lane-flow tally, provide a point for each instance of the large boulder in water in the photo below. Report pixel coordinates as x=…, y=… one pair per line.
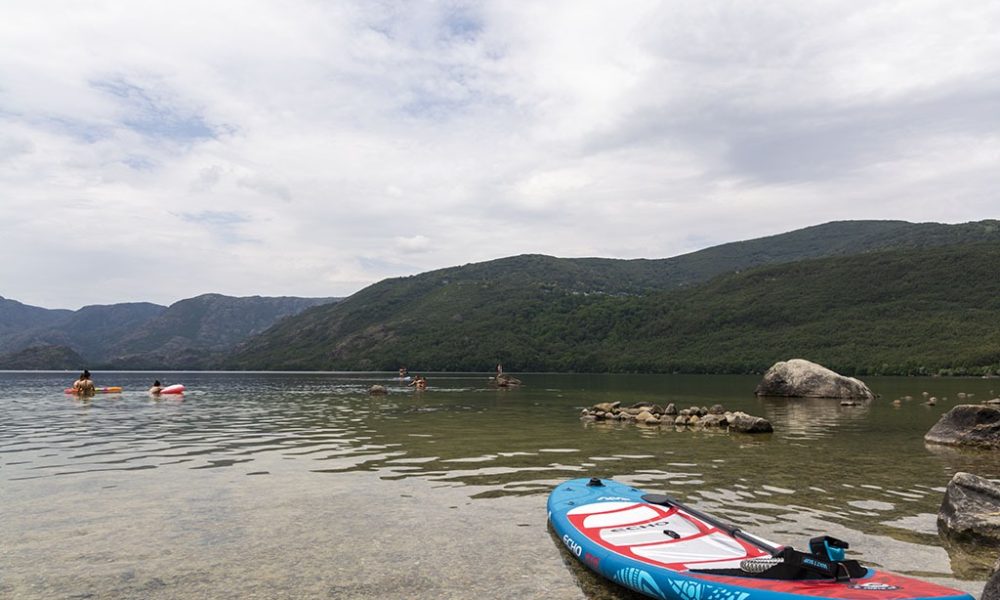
x=970, y=511
x=800, y=378
x=967, y=425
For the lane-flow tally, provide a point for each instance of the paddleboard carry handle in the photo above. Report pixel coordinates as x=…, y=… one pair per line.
x=828, y=547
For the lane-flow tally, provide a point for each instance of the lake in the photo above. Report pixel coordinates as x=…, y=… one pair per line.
x=301, y=485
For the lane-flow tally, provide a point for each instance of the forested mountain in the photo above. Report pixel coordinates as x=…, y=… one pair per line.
x=16, y=317
x=887, y=297
x=859, y=296
x=187, y=334
x=89, y=331
x=190, y=332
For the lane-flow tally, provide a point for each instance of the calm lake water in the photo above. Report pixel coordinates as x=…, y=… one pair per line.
x=293, y=485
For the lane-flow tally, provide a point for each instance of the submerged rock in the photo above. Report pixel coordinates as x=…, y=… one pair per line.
x=744, y=423
x=800, y=378
x=378, y=390
x=970, y=511
x=967, y=425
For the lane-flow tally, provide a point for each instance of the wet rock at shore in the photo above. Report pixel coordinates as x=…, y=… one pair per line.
x=799, y=378
x=967, y=425
x=992, y=589
x=744, y=423
x=970, y=511
x=698, y=417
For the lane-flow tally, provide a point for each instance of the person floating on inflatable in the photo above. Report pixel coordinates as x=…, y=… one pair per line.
x=84, y=386
x=156, y=389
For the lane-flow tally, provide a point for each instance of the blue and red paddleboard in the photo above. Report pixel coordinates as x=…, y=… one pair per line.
x=664, y=549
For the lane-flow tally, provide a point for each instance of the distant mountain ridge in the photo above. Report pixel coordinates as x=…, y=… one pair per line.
x=864, y=296
x=542, y=313
x=188, y=334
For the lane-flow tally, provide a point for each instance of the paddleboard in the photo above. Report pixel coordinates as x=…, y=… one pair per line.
x=173, y=389
x=663, y=549
x=100, y=390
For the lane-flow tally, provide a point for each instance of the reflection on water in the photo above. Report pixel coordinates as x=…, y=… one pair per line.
x=861, y=473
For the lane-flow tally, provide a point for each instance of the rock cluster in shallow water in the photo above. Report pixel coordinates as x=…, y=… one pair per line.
x=648, y=413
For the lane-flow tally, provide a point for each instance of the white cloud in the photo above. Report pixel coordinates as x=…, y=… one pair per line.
x=160, y=150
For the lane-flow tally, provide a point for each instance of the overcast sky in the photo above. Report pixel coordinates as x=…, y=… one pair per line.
x=153, y=151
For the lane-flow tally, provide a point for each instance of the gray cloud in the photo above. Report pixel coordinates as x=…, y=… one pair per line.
x=313, y=148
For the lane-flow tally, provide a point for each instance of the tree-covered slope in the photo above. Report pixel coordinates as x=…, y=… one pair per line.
x=42, y=357
x=911, y=310
x=189, y=332
x=16, y=318
x=90, y=330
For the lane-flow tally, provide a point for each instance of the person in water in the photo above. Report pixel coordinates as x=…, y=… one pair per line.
x=84, y=386
x=157, y=388
x=419, y=381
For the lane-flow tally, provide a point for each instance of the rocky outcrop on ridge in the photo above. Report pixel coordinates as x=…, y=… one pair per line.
x=799, y=378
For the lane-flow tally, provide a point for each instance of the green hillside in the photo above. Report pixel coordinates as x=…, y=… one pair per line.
x=42, y=357
x=916, y=310
x=189, y=333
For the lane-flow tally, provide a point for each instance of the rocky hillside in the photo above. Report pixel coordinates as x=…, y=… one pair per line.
x=187, y=334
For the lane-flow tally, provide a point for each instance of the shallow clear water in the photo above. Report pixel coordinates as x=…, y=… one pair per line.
x=291, y=485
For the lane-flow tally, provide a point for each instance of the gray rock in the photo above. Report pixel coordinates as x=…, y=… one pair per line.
x=717, y=409
x=970, y=511
x=743, y=423
x=681, y=420
x=378, y=390
x=800, y=378
x=607, y=406
x=671, y=409
x=713, y=420
x=992, y=589
x=967, y=425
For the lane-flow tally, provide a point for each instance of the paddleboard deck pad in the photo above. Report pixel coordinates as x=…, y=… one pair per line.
x=672, y=552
